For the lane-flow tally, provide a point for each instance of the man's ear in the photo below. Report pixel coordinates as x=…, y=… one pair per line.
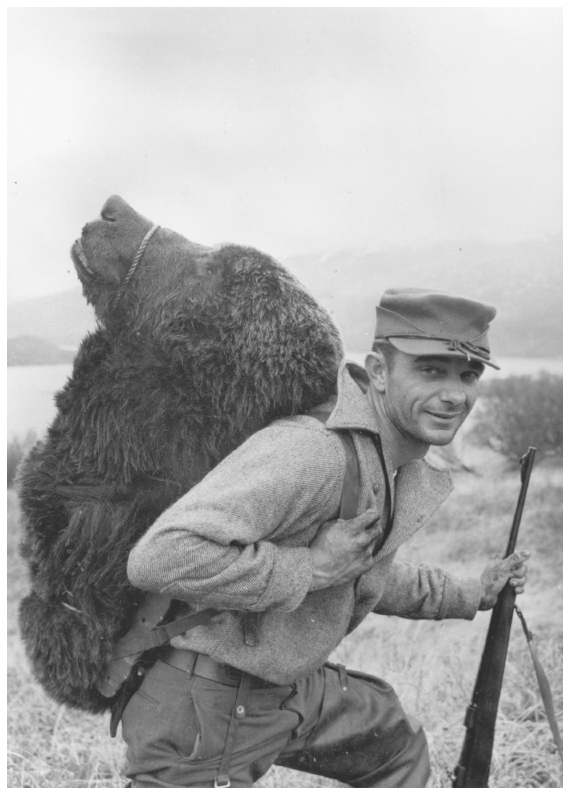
x=377, y=370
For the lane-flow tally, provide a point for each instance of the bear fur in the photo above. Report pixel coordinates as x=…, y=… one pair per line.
x=204, y=347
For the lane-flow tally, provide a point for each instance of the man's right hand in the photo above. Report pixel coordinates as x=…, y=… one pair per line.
x=342, y=549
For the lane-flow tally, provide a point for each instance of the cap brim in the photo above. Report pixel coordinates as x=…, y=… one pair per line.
x=415, y=346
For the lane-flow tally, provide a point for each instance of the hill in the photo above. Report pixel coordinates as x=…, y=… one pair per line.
x=62, y=319
x=524, y=282
x=34, y=350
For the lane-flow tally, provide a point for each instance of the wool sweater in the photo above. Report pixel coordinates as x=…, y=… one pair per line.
x=238, y=541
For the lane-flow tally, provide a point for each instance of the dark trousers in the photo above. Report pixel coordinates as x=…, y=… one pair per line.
x=336, y=723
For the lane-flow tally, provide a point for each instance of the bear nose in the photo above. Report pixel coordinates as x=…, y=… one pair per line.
x=113, y=208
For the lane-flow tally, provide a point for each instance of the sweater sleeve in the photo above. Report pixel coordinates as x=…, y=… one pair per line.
x=217, y=545
x=427, y=592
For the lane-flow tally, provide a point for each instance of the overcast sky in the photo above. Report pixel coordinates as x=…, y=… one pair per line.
x=293, y=130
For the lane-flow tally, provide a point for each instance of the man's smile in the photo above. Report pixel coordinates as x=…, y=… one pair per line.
x=445, y=415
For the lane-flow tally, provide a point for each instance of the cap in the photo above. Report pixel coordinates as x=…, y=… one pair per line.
x=429, y=322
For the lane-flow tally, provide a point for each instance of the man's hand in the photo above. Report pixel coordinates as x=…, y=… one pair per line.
x=496, y=574
x=342, y=550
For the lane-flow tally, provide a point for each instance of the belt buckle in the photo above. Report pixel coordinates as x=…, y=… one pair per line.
x=224, y=785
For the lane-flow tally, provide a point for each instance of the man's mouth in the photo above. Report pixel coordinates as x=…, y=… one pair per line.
x=81, y=260
x=442, y=415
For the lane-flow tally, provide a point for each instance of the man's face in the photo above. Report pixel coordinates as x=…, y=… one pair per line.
x=427, y=398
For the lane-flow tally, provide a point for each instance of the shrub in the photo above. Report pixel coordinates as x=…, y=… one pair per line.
x=521, y=411
x=17, y=449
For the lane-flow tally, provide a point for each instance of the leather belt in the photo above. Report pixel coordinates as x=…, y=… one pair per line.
x=194, y=663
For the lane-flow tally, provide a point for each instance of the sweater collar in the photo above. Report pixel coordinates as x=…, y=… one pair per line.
x=352, y=409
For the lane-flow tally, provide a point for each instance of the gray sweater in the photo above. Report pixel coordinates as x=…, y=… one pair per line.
x=238, y=541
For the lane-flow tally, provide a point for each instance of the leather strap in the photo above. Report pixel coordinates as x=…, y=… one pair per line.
x=350, y=485
x=250, y=627
x=163, y=634
x=145, y=634
x=381, y=541
x=239, y=711
x=543, y=684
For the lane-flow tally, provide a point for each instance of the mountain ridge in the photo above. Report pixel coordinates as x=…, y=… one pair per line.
x=523, y=280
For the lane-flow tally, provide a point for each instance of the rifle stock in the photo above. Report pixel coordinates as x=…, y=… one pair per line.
x=475, y=761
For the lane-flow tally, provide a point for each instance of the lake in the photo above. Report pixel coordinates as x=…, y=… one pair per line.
x=31, y=389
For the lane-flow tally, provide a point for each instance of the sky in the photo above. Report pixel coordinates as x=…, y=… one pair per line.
x=294, y=130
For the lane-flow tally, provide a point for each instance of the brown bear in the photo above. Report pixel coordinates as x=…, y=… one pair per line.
x=196, y=348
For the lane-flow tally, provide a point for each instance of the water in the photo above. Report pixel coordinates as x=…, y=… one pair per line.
x=31, y=389
x=30, y=396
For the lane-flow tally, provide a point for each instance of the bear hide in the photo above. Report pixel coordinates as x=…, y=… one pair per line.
x=195, y=349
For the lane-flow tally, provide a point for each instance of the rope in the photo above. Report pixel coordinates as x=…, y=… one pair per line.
x=132, y=269
x=468, y=348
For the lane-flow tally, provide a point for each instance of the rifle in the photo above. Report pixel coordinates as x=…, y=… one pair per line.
x=480, y=718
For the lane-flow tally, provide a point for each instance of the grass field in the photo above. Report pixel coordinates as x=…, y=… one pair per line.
x=432, y=665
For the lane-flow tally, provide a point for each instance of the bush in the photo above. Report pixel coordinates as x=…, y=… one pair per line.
x=521, y=411
x=17, y=449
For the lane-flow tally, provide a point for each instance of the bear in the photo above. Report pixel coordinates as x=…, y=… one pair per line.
x=195, y=349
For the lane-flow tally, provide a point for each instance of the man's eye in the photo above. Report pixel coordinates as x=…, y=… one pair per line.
x=430, y=370
x=471, y=378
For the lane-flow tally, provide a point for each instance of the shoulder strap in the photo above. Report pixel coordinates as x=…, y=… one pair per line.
x=350, y=485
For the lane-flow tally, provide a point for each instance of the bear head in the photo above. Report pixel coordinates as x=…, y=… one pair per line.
x=220, y=340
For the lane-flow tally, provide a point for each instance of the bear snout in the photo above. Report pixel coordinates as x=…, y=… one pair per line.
x=113, y=208
x=116, y=210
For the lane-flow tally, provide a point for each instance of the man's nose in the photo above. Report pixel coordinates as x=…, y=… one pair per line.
x=454, y=393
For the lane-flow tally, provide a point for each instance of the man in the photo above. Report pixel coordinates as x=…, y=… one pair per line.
x=259, y=538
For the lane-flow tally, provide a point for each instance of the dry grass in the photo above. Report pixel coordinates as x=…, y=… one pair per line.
x=432, y=665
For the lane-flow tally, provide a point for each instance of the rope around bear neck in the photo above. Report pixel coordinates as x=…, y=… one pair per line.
x=133, y=267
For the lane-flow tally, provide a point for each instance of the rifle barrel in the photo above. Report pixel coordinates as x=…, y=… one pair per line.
x=526, y=463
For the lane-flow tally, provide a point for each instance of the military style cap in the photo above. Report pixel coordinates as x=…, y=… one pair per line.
x=429, y=322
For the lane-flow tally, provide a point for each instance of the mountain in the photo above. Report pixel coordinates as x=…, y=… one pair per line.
x=523, y=280
x=63, y=318
x=34, y=350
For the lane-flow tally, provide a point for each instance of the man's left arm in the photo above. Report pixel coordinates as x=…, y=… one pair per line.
x=429, y=592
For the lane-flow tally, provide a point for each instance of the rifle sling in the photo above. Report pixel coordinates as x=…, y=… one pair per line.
x=543, y=684
x=545, y=692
